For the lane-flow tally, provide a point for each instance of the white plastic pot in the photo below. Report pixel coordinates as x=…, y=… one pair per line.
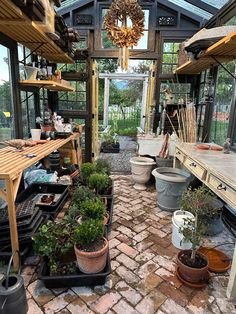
x=177, y=222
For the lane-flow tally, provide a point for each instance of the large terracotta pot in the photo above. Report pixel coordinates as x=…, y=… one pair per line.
x=92, y=262
x=190, y=274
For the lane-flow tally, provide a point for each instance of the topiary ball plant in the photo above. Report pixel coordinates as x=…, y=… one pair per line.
x=93, y=208
x=100, y=183
x=86, y=170
x=89, y=235
x=103, y=166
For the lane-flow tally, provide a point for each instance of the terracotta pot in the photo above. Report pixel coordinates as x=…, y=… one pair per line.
x=92, y=262
x=190, y=274
x=46, y=128
x=106, y=219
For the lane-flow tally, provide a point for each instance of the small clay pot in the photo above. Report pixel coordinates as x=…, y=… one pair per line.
x=47, y=198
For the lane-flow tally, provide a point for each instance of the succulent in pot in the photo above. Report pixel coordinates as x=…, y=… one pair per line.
x=91, y=248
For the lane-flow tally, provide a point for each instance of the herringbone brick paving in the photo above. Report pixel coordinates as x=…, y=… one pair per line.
x=143, y=277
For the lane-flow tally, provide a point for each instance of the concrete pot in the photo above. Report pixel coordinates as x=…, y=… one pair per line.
x=141, y=168
x=170, y=184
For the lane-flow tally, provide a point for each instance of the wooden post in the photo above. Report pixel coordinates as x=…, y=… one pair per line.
x=144, y=102
x=231, y=289
x=106, y=102
x=12, y=219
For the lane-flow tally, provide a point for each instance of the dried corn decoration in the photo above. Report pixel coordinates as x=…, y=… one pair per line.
x=117, y=20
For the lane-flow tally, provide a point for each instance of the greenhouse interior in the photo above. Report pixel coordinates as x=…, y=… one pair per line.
x=117, y=156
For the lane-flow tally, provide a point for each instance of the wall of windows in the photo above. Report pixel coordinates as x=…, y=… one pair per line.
x=6, y=105
x=170, y=57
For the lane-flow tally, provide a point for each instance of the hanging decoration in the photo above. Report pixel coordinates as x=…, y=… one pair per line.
x=120, y=15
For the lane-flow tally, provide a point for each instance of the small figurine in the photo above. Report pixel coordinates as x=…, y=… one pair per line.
x=226, y=146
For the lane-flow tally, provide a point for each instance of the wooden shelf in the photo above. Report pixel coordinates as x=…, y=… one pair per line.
x=16, y=25
x=224, y=51
x=51, y=85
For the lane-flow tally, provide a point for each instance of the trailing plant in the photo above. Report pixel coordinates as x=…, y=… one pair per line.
x=86, y=170
x=100, y=182
x=93, y=208
x=88, y=236
x=103, y=166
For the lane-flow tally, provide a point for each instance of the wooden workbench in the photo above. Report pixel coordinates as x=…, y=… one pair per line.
x=12, y=165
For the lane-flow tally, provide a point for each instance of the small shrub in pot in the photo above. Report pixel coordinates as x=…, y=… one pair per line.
x=93, y=209
x=86, y=170
x=103, y=166
x=100, y=183
x=91, y=248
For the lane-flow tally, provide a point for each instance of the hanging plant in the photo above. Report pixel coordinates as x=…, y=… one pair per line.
x=116, y=23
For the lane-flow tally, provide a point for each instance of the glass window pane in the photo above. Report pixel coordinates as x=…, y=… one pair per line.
x=222, y=106
x=143, y=41
x=106, y=43
x=28, y=112
x=6, y=107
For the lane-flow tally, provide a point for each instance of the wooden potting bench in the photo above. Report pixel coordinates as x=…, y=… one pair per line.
x=12, y=165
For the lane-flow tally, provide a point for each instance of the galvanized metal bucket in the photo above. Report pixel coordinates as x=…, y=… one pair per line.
x=12, y=292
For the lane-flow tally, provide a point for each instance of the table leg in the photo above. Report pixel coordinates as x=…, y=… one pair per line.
x=231, y=289
x=10, y=191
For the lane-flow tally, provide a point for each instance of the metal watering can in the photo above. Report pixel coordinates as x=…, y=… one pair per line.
x=12, y=292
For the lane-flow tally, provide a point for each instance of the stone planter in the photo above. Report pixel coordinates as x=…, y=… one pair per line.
x=141, y=168
x=170, y=184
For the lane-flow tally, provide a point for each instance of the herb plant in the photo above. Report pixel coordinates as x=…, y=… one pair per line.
x=99, y=182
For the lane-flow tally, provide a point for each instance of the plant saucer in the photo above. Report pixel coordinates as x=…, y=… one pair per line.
x=193, y=284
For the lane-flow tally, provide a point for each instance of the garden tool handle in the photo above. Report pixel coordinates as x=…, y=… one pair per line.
x=9, y=267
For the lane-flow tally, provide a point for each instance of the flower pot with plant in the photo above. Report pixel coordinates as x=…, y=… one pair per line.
x=211, y=209
x=103, y=166
x=101, y=184
x=110, y=142
x=54, y=241
x=86, y=169
x=193, y=265
x=91, y=248
x=94, y=209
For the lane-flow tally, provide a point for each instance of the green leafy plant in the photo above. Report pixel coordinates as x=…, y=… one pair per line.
x=103, y=166
x=81, y=194
x=100, y=182
x=86, y=170
x=94, y=209
x=53, y=240
x=89, y=234
x=109, y=137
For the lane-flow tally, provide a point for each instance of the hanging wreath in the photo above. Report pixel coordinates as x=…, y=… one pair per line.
x=116, y=23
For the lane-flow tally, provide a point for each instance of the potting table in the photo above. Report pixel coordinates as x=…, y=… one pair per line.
x=217, y=171
x=12, y=165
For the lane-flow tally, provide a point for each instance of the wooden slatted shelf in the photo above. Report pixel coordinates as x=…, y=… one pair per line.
x=224, y=51
x=51, y=85
x=16, y=25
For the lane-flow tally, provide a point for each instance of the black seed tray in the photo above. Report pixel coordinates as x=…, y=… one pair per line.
x=76, y=280
x=23, y=223
x=24, y=210
x=41, y=188
x=26, y=237
x=110, y=211
x=23, y=229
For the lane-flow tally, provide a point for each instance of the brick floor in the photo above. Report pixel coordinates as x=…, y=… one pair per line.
x=143, y=277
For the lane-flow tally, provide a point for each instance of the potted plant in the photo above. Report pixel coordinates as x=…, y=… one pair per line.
x=101, y=184
x=86, y=169
x=103, y=166
x=91, y=248
x=110, y=142
x=94, y=209
x=210, y=209
x=54, y=241
x=193, y=265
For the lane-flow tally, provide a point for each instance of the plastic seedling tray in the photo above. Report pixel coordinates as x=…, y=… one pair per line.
x=77, y=280
x=46, y=188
